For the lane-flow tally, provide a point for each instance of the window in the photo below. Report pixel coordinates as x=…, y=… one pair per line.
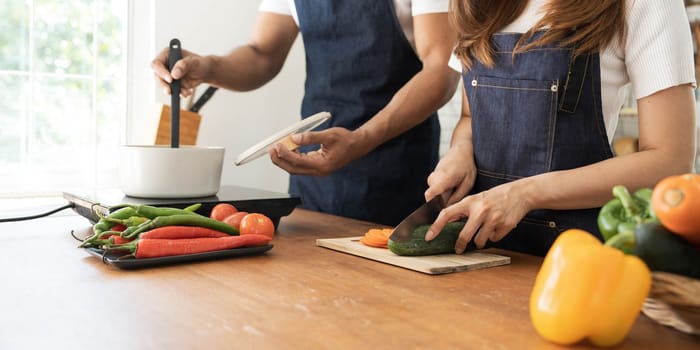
x=63, y=106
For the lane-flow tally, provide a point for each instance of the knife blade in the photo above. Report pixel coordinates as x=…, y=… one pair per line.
x=203, y=99
x=425, y=214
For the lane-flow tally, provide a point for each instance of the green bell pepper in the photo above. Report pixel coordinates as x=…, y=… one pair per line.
x=618, y=218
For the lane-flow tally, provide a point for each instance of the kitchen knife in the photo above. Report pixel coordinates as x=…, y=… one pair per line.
x=203, y=99
x=174, y=55
x=425, y=214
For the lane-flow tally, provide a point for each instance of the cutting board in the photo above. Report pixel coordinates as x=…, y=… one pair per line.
x=431, y=264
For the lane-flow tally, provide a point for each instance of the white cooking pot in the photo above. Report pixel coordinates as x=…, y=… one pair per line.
x=165, y=172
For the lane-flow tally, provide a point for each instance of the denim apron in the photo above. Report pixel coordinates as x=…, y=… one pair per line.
x=357, y=58
x=533, y=113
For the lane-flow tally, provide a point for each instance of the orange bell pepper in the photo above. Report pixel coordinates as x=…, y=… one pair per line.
x=587, y=290
x=676, y=202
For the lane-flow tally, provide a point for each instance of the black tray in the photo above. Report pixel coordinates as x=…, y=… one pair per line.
x=129, y=263
x=273, y=204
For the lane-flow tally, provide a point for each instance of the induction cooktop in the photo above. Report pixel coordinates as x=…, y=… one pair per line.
x=273, y=204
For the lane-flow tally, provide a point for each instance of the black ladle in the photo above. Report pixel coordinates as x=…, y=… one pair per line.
x=174, y=55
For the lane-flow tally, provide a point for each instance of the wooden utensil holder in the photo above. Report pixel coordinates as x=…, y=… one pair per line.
x=189, y=127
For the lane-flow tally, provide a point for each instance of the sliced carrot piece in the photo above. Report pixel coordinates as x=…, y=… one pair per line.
x=376, y=237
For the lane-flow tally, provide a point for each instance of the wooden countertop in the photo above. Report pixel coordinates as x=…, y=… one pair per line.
x=295, y=296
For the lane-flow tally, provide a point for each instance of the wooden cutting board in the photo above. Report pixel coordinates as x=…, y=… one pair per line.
x=431, y=264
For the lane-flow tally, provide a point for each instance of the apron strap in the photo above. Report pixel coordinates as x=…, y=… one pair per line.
x=578, y=68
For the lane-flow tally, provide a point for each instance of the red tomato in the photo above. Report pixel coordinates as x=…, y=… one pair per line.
x=235, y=219
x=257, y=223
x=222, y=210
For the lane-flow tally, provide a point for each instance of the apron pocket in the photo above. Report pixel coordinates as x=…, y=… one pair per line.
x=513, y=124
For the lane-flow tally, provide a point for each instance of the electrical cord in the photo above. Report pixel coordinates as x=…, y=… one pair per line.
x=22, y=218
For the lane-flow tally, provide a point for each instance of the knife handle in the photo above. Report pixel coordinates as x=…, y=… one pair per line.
x=174, y=55
x=203, y=99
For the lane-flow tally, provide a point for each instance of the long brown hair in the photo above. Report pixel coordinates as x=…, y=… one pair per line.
x=596, y=24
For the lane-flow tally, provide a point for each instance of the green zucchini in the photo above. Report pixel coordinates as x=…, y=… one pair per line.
x=663, y=250
x=442, y=244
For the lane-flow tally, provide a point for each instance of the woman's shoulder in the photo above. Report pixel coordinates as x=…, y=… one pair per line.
x=658, y=49
x=668, y=12
x=655, y=21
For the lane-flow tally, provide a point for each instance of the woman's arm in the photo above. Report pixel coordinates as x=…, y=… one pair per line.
x=666, y=146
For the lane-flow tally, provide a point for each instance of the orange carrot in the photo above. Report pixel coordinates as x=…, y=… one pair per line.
x=178, y=232
x=153, y=248
x=376, y=237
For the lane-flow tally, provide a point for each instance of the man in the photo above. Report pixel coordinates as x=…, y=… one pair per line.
x=379, y=67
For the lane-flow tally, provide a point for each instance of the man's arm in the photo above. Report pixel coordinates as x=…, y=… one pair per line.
x=245, y=68
x=250, y=66
x=426, y=92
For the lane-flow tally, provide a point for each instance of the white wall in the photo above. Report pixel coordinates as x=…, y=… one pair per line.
x=232, y=120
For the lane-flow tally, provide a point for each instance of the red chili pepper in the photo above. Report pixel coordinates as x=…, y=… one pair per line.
x=153, y=248
x=179, y=232
x=118, y=227
x=117, y=239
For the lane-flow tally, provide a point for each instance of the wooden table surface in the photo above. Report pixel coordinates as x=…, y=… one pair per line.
x=295, y=296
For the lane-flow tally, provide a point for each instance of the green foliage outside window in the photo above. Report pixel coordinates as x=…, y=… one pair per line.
x=62, y=71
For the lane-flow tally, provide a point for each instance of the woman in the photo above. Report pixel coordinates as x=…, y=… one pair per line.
x=544, y=82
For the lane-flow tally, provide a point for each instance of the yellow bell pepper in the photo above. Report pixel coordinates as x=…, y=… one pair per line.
x=587, y=290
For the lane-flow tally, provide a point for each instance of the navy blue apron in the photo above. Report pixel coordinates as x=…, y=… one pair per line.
x=357, y=58
x=536, y=112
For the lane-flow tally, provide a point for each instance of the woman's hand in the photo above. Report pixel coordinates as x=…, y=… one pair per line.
x=191, y=70
x=453, y=176
x=491, y=215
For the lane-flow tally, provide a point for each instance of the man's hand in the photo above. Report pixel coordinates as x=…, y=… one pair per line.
x=338, y=146
x=191, y=70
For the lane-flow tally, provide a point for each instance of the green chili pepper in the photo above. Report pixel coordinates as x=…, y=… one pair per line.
x=105, y=222
x=130, y=221
x=152, y=212
x=129, y=231
x=97, y=239
x=182, y=220
x=193, y=208
x=623, y=214
x=101, y=226
x=132, y=216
